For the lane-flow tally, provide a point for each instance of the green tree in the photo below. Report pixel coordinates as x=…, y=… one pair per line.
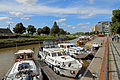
x=97, y=32
x=67, y=33
x=46, y=30
x=19, y=28
x=55, y=29
x=91, y=33
x=61, y=31
x=39, y=31
x=31, y=29
x=115, y=23
x=87, y=33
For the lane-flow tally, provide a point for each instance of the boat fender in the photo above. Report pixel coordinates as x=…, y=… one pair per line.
x=79, y=76
x=27, y=78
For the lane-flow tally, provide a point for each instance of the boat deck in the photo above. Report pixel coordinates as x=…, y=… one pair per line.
x=49, y=73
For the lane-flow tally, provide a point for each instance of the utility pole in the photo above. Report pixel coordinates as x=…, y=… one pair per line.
x=9, y=26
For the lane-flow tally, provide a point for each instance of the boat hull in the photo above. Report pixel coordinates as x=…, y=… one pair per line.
x=13, y=71
x=80, y=55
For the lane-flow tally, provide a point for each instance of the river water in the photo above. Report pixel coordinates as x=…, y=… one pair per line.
x=7, y=57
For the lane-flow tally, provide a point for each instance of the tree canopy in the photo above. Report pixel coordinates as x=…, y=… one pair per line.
x=115, y=23
x=61, y=31
x=19, y=28
x=55, y=29
x=31, y=29
x=39, y=31
x=46, y=30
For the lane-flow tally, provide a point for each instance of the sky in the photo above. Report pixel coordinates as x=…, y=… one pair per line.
x=71, y=15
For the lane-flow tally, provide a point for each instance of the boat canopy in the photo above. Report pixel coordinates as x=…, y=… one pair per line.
x=24, y=51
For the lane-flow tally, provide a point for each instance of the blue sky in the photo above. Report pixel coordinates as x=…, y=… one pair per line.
x=71, y=15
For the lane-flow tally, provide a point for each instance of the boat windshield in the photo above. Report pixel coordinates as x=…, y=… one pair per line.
x=59, y=54
x=54, y=54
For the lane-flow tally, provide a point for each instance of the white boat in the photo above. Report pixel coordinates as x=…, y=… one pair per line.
x=73, y=50
x=95, y=45
x=82, y=40
x=60, y=62
x=24, y=67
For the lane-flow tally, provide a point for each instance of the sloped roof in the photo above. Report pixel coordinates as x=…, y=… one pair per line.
x=5, y=31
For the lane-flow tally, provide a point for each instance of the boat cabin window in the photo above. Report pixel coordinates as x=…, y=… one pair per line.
x=61, y=46
x=23, y=66
x=20, y=56
x=48, y=54
x=28, y=56
x=68, y=46
x=71, y=45
x=54, y=54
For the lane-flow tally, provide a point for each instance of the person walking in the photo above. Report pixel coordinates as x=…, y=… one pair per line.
x=117, y=38
x=112, y=38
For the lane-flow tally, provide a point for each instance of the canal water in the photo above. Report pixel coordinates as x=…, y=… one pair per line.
x=7, y=57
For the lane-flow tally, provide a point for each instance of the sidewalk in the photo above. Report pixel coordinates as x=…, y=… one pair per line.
x=95, y=65
x=115, y=59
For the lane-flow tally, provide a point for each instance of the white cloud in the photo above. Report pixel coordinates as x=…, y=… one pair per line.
x=87, y=16
x=27, y=1
x=16, y=13
x=5, y=18
x=85, y=27
x=69, y=26
x=88, y=23
x=9, y=22
x=83, y=24
x=80, y=24
x=91, y=14
x=84, y=11
x=25, y=18
x=46, y=10
x=73, y=27
x=91, y=1
x=60, y=20
x=63, y=24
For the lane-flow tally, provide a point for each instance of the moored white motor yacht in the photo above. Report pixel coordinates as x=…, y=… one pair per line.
x=60, y=62
x=24, y=67
x=73, y=50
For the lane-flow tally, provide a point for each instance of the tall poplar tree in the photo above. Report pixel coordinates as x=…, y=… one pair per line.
x=55, y=29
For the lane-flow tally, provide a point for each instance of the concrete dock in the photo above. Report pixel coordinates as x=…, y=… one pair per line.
x=95, y=65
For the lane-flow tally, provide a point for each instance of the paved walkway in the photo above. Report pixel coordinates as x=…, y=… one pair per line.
x=115, y=59
x=95, y=65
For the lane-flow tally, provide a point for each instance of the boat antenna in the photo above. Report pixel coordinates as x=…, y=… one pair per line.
x=16, y=47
